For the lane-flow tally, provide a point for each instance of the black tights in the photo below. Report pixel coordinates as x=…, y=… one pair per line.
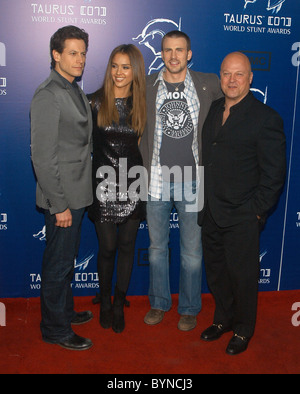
x=113, y=238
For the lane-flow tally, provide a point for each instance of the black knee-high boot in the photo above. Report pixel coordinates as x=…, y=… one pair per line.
x=106, y=310
x=118, y=322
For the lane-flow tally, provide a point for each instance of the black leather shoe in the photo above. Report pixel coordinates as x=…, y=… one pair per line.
x=214, y=332
x=75, y=342
x=237, y=345
x=82, y=318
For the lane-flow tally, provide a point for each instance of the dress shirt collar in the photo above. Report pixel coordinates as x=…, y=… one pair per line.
x=240, y=104
x=67, y=83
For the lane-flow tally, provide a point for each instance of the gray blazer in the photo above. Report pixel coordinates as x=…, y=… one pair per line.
x=61, y=134
x=208, y=90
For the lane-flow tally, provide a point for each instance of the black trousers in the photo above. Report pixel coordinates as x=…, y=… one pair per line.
x=232, y=265
x=57, y=305
x=115, y=238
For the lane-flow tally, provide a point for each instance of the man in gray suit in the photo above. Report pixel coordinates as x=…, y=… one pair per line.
x=61, y=129
x=178, y=100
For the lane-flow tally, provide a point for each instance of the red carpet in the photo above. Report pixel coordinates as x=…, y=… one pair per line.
x=162, y=349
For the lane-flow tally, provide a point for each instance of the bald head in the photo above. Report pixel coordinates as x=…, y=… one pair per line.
x=236, y=77
x=239, y=57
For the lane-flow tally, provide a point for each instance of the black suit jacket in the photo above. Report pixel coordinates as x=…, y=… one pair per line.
x=244, y=161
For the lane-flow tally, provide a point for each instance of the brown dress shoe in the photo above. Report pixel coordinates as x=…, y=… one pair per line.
x=154, y=316
x=187, y=323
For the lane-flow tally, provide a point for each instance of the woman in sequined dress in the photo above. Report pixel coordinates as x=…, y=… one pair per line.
x=119, y=117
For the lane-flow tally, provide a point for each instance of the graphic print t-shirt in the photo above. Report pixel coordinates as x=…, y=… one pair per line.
x=178, y=132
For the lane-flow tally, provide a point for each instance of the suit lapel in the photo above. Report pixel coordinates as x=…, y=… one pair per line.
x=78, y=99
x=201, y=89
x=88, y=111
x=80, y=102
x=151, y=109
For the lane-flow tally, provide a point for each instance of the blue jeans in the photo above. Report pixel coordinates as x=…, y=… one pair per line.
x=57, y=305
x=158, y=218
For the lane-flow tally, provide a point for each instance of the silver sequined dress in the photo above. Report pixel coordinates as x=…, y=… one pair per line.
x=115, y=152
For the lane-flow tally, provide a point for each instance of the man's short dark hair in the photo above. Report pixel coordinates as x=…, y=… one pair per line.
x=177, y=34
x=58, y=39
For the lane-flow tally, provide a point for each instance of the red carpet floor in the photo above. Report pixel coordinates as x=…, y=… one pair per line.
x=163, y=349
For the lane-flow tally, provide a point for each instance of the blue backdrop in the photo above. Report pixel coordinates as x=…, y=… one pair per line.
x=268, y=31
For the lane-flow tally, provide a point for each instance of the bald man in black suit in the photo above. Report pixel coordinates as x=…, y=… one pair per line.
x=244, y=158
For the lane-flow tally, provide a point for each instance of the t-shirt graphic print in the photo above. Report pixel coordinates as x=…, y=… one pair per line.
x=178, y=130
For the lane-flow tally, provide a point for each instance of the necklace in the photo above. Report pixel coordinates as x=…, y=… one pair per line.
x=174, y=85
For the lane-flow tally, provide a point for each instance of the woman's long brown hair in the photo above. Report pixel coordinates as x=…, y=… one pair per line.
x=108, y=113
